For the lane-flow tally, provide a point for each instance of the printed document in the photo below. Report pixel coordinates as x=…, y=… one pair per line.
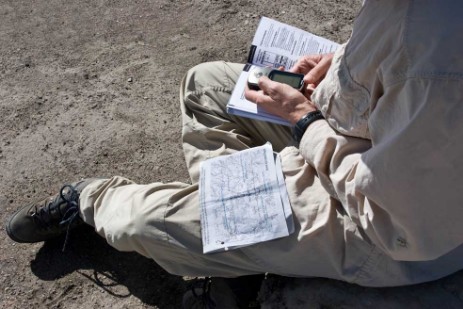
x=275, y=44
x=243, y=200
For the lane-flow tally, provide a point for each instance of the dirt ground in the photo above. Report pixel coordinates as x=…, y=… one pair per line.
x=90, y=87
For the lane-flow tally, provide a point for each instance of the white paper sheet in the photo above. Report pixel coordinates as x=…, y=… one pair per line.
x=243, y=200
x=275, y=44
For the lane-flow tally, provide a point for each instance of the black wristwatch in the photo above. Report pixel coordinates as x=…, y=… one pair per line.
x=301, y=126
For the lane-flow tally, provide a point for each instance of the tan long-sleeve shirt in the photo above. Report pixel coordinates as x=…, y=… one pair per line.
x=391, y=149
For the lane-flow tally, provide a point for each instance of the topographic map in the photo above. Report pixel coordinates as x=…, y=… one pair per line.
x=242, y=200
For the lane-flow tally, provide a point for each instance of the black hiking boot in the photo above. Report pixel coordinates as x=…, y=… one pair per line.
x=48, y=218
x=224, y=293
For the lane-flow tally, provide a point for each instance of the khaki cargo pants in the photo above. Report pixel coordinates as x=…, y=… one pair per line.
x=161, y=221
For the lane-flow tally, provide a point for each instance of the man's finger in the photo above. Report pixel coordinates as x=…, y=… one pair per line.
x=317, y=73
x=251, y=95
x=270, y=87
x=310, y=87
x=304, y=65
x=254, y=96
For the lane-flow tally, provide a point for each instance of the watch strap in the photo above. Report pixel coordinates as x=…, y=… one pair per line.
x=301, y=126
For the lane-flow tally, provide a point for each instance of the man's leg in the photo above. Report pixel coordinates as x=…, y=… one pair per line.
x=161, y=221
x=208, y=130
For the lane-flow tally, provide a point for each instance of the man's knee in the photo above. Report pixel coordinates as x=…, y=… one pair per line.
x=208, y=74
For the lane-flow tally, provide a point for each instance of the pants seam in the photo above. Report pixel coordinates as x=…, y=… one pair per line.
x=366, y=266
x=164, y=219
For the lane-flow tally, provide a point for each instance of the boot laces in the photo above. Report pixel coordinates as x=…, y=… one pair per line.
x=51, y=216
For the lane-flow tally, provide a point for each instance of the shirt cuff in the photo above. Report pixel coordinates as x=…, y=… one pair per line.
x=313, y=139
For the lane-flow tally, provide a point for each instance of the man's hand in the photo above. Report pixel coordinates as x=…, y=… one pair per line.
x=280, y=99
x=314, y=67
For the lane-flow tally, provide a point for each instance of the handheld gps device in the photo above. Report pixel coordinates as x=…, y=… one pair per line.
x=292, y=79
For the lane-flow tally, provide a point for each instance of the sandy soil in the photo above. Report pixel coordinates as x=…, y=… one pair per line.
x=91, y=88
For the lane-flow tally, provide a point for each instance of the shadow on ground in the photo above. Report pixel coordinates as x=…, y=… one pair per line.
x=120, y=274
x=326, y=293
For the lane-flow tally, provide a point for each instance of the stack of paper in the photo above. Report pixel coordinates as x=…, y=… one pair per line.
x=275, y=44
x=243, y=200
